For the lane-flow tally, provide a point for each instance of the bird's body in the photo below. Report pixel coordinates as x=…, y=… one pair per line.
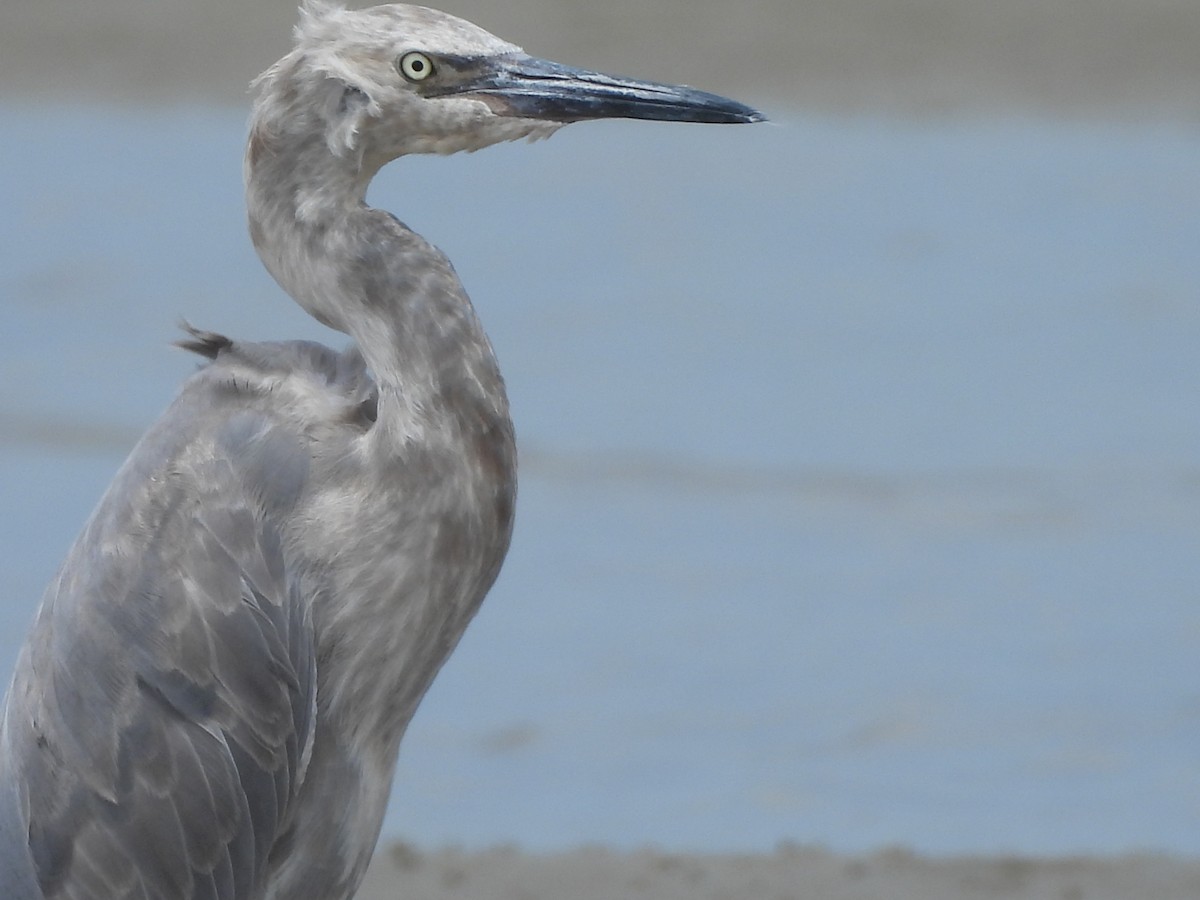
x=260, y=500
x=212, y=697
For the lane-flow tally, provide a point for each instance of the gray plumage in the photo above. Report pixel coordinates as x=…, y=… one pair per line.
x=211, y=699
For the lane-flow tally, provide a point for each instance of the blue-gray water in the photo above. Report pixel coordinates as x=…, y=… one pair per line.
x=861, y=462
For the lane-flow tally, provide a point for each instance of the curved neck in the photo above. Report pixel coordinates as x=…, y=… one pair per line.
x=362, y=272
x=299, y=195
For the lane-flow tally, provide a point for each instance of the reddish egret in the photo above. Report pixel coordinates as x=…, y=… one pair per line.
x=211, y=699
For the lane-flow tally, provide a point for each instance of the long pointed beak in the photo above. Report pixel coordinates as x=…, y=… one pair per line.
x=532, y=88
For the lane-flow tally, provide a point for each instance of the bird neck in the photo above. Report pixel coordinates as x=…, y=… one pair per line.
x=298, y=196
x=361, y=271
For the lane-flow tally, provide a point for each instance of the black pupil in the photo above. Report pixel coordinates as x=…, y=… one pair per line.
x=418, y=65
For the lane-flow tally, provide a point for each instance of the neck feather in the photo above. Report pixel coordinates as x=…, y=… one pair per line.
x=361, y=271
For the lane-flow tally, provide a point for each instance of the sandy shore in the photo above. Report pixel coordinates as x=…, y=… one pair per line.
x=1130, y=57
x=791, y=873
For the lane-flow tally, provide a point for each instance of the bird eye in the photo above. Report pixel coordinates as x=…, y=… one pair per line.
x=415, y=66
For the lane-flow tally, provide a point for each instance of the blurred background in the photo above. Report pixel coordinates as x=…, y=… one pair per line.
x=860, y=495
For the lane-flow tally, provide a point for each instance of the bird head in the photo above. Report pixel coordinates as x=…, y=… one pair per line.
x=390, y=80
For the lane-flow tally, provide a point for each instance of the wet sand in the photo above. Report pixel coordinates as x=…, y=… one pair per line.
x=1107, y=58
x=1092, y=57
x=790, y=873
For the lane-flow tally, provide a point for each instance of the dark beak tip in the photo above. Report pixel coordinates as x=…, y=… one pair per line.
x=735, y=114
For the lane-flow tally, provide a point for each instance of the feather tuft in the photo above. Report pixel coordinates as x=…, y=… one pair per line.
x=205, y=343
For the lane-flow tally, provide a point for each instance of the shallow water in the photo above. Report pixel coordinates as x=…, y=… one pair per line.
x=860, y=497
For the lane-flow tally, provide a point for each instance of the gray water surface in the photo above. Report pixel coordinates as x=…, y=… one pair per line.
x=860, y=496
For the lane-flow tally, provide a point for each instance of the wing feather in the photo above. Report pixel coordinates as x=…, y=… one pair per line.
x=163, y=709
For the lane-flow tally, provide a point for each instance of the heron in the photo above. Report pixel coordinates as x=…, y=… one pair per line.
x=211, y=698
